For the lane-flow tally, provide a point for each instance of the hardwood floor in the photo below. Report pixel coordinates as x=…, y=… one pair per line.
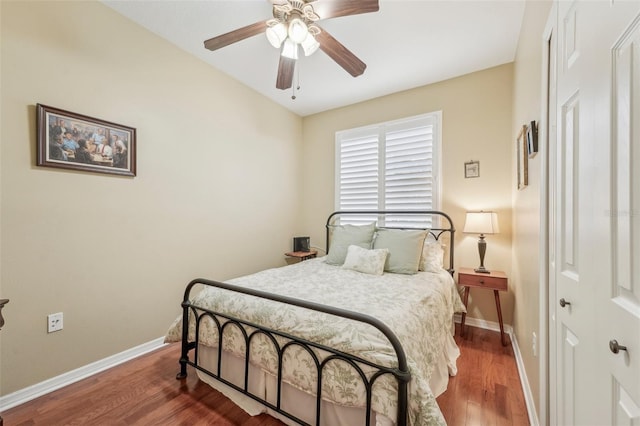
x=487, y=389
x=144, y=391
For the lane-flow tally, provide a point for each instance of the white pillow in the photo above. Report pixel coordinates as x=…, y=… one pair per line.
x=345, y=235
x=432, y=259
x=366, y=261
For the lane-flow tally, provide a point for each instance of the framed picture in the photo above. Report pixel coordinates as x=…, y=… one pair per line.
x=532, y=140
x=73, y=141
x=472, y=169
x=522, y=158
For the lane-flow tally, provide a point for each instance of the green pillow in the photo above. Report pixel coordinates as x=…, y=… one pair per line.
x=405, y=249
x=344, y=236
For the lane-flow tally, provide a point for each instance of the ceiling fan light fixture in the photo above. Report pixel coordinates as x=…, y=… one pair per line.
x=276, y=34
x=310, y=45
x=290, y=49
x=297, y=30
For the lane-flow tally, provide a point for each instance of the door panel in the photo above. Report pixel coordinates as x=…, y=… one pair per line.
x=626, y=412
x=570, y=44
x=569, y=353
x=570, y=188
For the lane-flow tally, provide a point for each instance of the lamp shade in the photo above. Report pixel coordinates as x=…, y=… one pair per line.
x=276, y=34
x=481, y=223
x=310, y=45
x=290, y=49
x=297, y=30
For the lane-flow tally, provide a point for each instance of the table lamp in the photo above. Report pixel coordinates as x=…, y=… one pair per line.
x=481, y=223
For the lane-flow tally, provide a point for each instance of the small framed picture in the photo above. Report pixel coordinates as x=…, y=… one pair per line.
x=472, y=169
x=532, y=140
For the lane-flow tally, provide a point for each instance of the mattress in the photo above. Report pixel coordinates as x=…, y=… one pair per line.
x=418, y=308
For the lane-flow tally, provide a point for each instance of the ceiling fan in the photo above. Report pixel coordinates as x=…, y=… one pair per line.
x=294, y=27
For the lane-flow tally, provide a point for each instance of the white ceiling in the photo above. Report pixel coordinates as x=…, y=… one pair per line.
x=405, y=44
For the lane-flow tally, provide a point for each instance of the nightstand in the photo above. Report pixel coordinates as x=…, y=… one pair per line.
x=496, y=281
x=2, y=303
x=302, y=255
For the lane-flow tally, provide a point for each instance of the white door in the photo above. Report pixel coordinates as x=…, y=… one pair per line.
x=575, y=290
x=597, y=214
x=619, y=294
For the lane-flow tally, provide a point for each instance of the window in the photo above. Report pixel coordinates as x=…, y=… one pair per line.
x=390, y=166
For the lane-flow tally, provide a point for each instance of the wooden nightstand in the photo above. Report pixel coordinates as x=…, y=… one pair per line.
x=496, y=281
x=2, y=303
x=302, y=255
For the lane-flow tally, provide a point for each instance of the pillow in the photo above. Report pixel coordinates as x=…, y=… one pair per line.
x=432, y=259
x=405, y=248
x=345, y=235
x=366, y=261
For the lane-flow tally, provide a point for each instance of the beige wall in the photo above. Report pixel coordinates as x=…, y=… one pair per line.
x=216, y=193
x=211, y=154
x=477, y=117
x=526, y=203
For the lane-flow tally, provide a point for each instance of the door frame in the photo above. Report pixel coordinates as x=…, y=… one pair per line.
x=547, y=339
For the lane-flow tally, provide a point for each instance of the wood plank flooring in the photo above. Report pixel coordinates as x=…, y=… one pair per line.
x=144, y=391
x=487, y=389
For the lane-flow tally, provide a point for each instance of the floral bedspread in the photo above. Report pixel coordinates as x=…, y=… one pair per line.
x=418, y=308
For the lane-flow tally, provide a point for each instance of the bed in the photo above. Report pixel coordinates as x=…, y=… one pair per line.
x=360, y=336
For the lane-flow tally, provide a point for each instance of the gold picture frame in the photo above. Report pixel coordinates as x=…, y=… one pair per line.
x=522, y=158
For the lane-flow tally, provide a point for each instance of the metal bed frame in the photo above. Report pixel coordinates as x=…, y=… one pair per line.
x=401, y=372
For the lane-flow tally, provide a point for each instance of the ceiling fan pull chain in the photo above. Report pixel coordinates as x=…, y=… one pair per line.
x=296, y=86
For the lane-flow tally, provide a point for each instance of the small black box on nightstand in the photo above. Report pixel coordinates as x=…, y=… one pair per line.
x=301, y=244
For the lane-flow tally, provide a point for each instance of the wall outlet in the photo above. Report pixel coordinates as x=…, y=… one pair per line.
x=54, y=322
x=534, y=344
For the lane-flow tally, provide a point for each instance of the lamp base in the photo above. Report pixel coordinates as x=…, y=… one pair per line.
x=482, y=270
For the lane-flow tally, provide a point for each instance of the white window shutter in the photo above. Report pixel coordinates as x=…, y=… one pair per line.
x=408, y=172
x=359, y=173
x=390, y=166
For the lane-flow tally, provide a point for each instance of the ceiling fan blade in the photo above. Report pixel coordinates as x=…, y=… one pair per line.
x=285, y=72
x=326, y=9
x=340, y=54
x=235, y=35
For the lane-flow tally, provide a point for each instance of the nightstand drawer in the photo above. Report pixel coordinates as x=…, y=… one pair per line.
x=482, y=280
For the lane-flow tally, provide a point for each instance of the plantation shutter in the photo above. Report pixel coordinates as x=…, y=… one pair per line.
x=359, y=173
x=390, y=166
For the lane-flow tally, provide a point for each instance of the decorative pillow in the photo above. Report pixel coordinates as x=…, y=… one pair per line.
x=405, y=248
x=345, y=235
x=432, y=259
x=367, y=261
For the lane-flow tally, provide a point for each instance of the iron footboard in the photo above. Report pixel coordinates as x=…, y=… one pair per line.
x=401, y=373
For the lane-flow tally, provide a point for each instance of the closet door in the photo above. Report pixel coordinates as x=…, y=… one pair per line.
x=597, y=214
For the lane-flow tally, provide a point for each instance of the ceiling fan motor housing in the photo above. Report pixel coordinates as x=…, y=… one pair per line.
x=292, y=25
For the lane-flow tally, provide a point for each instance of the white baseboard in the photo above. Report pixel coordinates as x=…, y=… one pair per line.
x=526, y=388
x=480, y=323
x=50, y=385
